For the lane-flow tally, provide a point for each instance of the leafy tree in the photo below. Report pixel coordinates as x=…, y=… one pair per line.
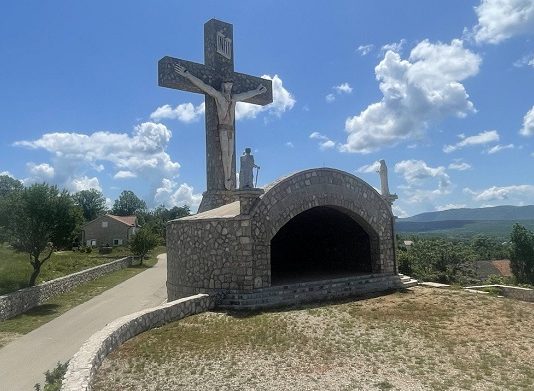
x=487, y=248
x=438, y=260
x=9, y=185
x=156, y=220
x=128, y=204
x=143, y=241
x=522, y=254
x=39, y=218
x=92, y=202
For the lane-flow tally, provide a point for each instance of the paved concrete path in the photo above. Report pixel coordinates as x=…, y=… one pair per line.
x=23, y=361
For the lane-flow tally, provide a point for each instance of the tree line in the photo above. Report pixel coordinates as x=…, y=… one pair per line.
x=41, y=218
x=454, y=261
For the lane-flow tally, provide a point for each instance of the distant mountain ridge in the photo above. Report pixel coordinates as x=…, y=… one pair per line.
x=505, y=212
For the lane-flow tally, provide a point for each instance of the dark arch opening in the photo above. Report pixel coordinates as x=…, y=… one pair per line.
x=319, y=243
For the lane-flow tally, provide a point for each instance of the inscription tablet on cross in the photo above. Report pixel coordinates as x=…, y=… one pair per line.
x=222, y=88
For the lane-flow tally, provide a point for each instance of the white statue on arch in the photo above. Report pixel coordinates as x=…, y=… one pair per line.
x=246, y=170
x=225, y=102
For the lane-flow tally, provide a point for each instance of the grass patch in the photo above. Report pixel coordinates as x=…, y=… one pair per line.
x=30, y=320
x=15, y=268
x=421, y=339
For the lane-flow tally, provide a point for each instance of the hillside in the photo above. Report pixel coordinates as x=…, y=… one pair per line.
x=464, y=223
x=496, y=213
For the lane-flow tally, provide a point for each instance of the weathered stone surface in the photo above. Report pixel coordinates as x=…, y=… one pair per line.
x=88, y=359
x=203, y=259
x=22, y=300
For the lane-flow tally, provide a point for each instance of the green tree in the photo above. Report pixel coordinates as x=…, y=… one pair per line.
x=438, y=260
x=92, y=202
x=39, y=218
x=128, y=204
x=157, y=219
x=522, y=254
x=9, y=185
x=143, y=241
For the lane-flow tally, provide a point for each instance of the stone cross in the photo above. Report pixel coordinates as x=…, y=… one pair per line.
x=208, y=79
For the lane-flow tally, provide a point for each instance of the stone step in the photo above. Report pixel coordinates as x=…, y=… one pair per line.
x=312, y=291
x=298, y=288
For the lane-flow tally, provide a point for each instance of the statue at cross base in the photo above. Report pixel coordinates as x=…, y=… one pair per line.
x=222, y=88
x=225, y=101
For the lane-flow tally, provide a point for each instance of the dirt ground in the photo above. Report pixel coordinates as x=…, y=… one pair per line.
x=421, y=339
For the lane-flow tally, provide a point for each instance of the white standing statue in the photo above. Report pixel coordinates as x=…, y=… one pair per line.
x=384, y=186
x=383, y=171
x=225, y=102
x=246, y=170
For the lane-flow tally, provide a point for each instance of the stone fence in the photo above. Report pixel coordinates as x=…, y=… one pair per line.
x=513, y=292
x=22, y=300
x=85, y=363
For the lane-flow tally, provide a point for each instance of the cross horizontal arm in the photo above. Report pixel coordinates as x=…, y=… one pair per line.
x=244, y=83
x=167, y=76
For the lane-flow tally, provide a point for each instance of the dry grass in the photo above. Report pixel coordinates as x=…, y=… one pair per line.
x=424, y=339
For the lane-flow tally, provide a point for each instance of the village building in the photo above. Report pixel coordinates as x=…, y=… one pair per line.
x=109, y=230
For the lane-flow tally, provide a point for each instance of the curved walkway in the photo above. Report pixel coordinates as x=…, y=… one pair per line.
x=23, y=361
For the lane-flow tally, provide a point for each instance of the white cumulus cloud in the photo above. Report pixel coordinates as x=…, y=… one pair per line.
x=515, y=193
x=171, y=194
x=414, y=171
x=418, y=91
x=498, y=148
x=526, y=60
x=185, y=112
x=83, y=183
x=330, y=98
x=364, y=50
x=369, y=168
x=486, y=137
x=394, y=46
x=43, y=171
x=324, y=141
x=459, y=166
x=528, y=124
x=499, y=20
x=124, y=174
x=142, y=152
x=343, y=88
x=283, y=101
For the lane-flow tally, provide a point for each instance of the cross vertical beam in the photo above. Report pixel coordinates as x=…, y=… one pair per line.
x=225, y=70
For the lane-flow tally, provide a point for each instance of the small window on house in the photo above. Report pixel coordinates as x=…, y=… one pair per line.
x=117, y=242
x=92, y=242
x=104, y=224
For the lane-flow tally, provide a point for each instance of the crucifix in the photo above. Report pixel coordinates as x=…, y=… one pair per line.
x=222, y=88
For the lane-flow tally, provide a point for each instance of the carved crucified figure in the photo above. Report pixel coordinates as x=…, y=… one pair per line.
x=225, y=102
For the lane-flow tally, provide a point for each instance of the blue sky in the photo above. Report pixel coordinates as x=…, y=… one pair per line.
x=443, y=91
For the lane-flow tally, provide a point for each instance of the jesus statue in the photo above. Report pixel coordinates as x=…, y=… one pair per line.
x=225, y=102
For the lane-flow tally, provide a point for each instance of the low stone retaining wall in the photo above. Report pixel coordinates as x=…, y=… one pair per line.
x=513, y=292
x=85, y=363
x=22, y=300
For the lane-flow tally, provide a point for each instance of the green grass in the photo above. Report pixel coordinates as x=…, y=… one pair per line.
x=15, y=268
x=30, y=320
x=420, y=339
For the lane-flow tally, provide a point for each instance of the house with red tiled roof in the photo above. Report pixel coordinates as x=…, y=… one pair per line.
x=109, y=230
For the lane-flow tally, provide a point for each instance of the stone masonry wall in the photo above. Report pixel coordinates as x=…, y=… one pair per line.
x=208, y=255
x=22, y=300
x=83, y=366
